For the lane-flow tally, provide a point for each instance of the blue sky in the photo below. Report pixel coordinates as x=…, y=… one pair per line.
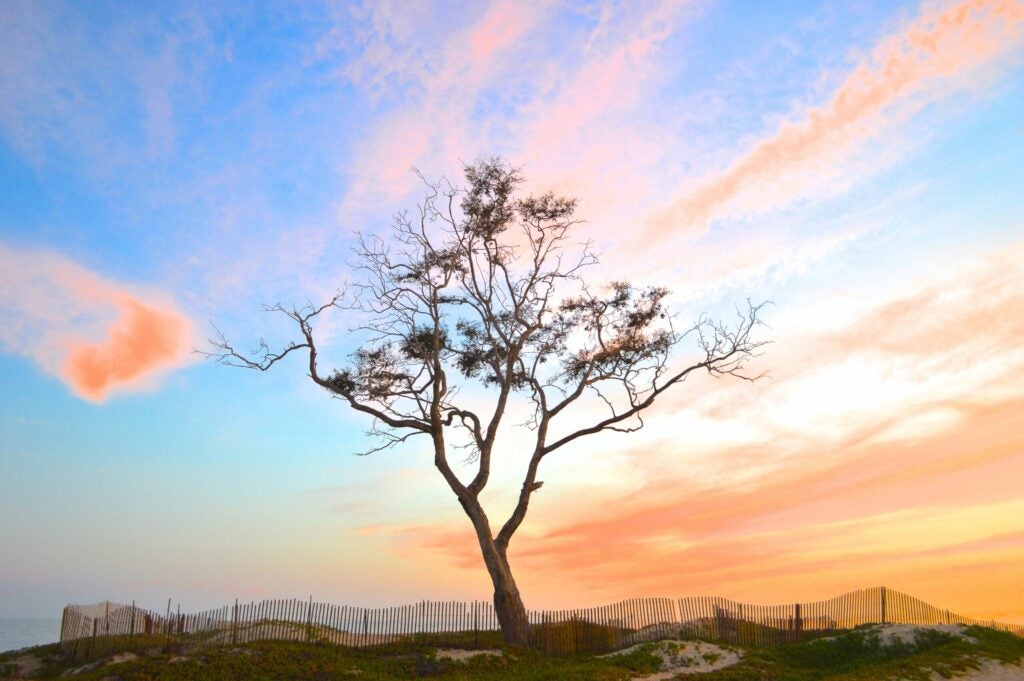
x=857, y=163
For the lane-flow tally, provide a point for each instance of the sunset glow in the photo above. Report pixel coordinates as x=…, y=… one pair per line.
x=169, y=172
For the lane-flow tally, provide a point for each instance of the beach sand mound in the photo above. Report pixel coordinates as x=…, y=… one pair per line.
x=889, y=634
x=25, y=666
x=463, y=655
x=990, y=670
x=685, y=657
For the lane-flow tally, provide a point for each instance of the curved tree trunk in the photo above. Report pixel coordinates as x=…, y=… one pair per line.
x=508, y=604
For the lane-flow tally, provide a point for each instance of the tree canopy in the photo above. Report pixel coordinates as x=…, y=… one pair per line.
x=481, y=288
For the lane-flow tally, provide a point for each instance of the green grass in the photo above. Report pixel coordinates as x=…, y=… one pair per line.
x=294, y=660
x=852, y=656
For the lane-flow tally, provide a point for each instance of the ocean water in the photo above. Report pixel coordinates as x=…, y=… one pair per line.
x=18, y=633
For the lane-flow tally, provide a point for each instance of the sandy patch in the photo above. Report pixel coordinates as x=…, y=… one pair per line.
x=990, y=670
x=123, y=657
x=81, y=670
x=685, y=657
x=26, y=665
x=907, y=633
x=463, y=655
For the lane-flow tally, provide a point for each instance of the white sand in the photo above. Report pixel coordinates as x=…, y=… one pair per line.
x=685, y=657
x=27, y=666
x=462, y=655
x=907, y=633
x=990, y=671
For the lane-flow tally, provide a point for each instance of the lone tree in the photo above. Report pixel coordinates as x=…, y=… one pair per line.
x=482, y=289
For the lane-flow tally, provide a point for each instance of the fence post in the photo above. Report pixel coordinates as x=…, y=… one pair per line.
x=167, y=621
x=575, y=632
x=883, y=605
x=63, y=628
x=132, y=630
x=234, y=624
x=798, y=622
x=309, y=622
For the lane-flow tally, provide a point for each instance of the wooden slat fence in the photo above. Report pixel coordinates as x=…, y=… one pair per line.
x=724, y=620
x=89, y=631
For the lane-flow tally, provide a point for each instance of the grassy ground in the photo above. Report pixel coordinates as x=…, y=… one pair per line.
x=852, y=656
x=857, y=656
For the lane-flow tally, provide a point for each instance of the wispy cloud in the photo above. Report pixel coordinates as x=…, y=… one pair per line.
x=63, y=96
x=593, y=138
x=588, y=128
x=492, y=87
x=440, y=81
x=930, y=58
x=96, y=335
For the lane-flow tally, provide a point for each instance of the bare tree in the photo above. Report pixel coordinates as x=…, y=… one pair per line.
x=483, y=288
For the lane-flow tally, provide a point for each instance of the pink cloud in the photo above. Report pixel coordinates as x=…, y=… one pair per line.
x=937, y=51
x=565, y=125
x=590, y=140
x=503, y=24
x=605, y=83
x=433, y=123
x=96, y=335
x=585, y=128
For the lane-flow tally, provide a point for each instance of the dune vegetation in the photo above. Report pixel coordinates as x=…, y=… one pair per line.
x=868, y=652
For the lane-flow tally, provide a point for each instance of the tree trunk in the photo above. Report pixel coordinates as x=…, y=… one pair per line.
x=508, y=604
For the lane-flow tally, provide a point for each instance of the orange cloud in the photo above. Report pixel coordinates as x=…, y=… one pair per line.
x=911, y=487
x=95, y=335
x=145, y=339
x=933, y=51
x=868, y=477
x=901, y=515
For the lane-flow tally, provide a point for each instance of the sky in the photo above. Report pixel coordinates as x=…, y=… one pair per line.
x=168, y=166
